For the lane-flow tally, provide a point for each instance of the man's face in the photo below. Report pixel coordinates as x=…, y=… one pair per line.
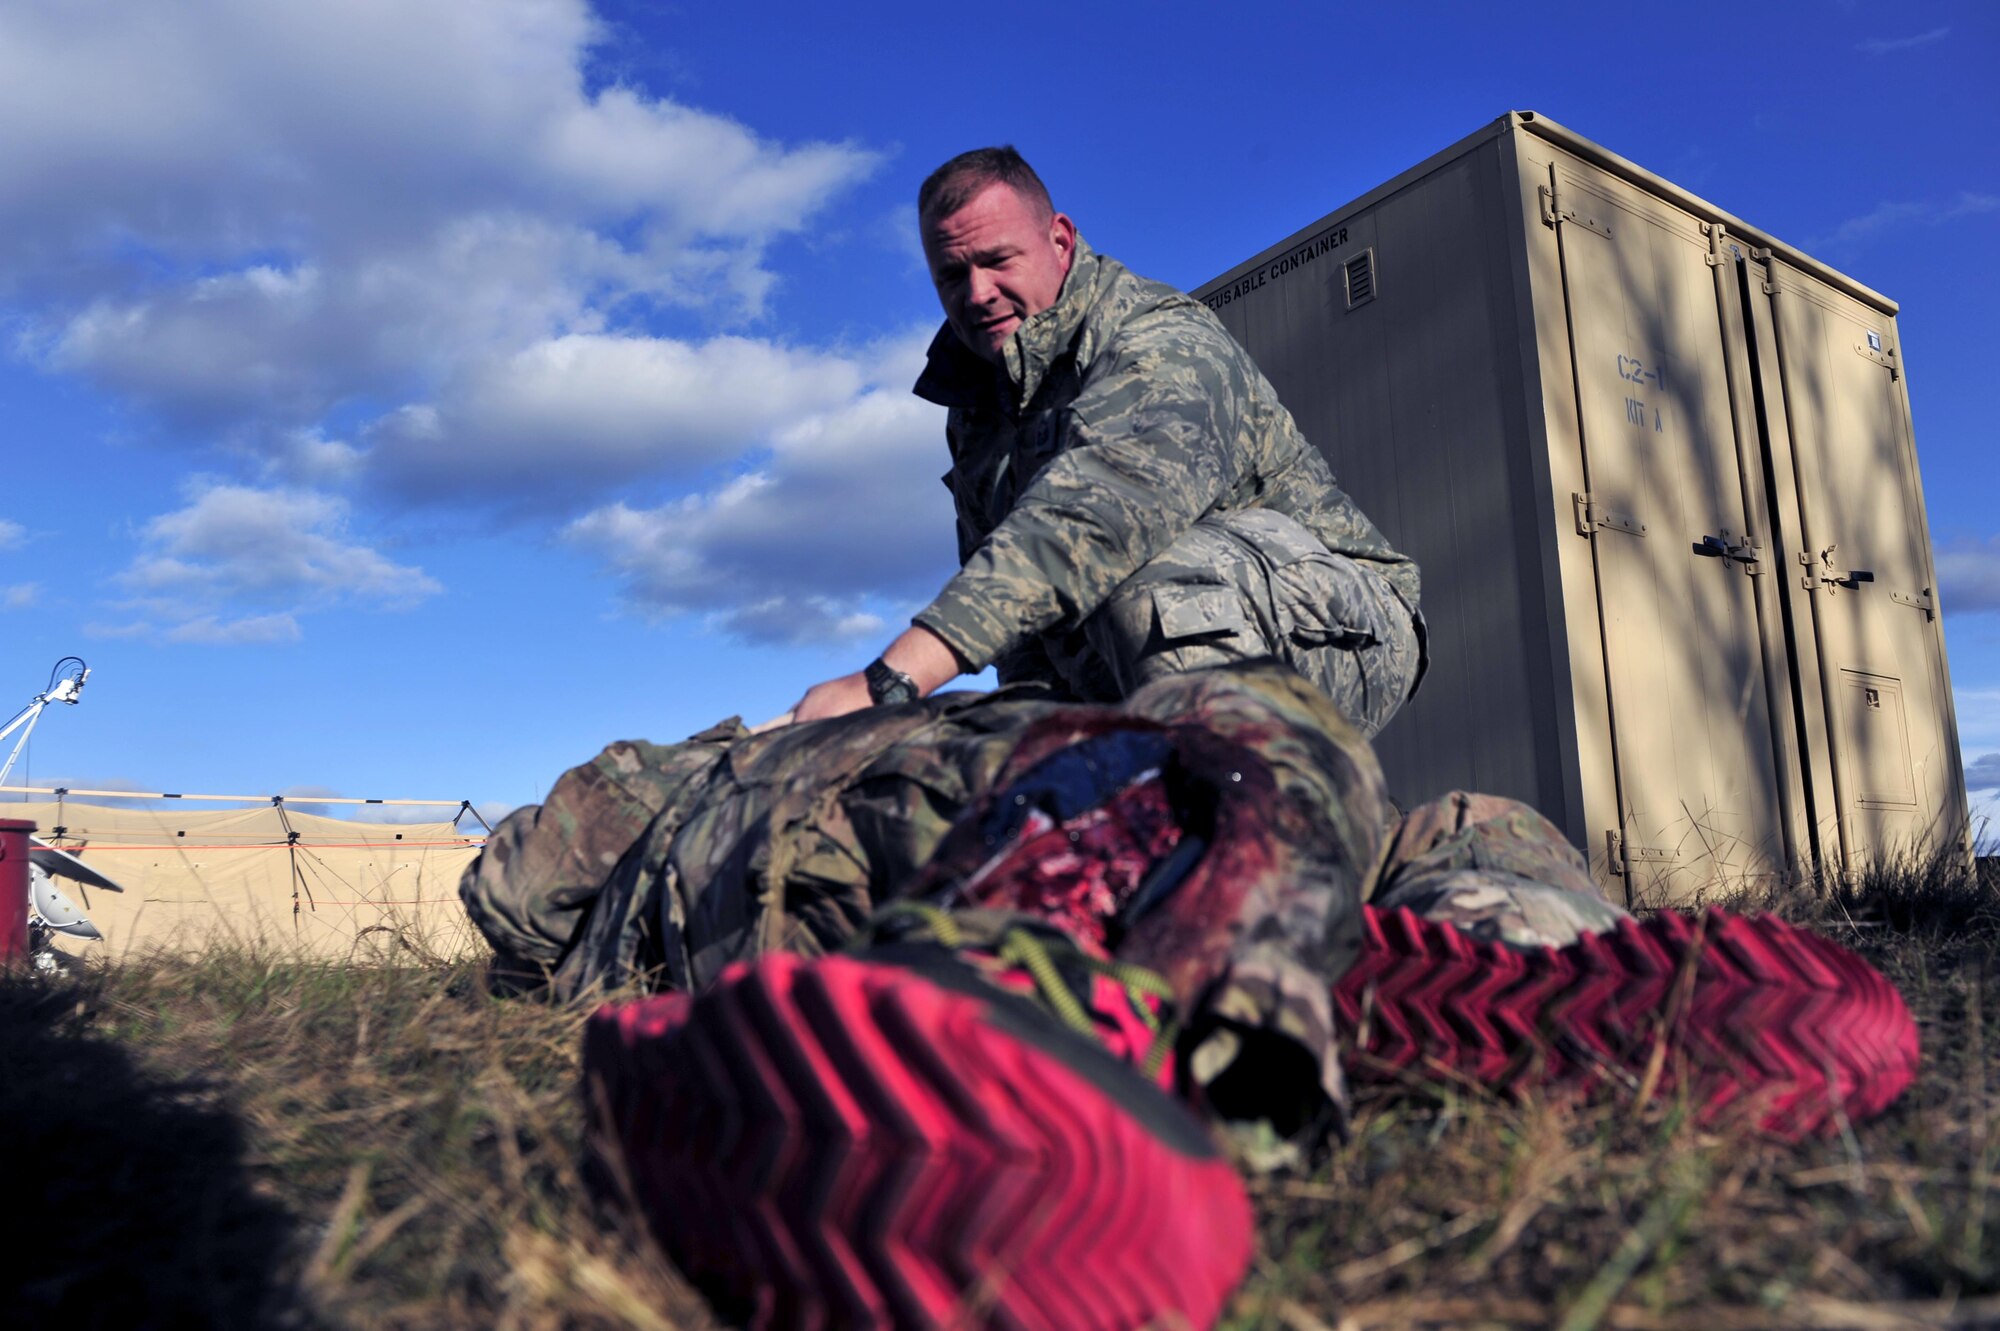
x=995, y=263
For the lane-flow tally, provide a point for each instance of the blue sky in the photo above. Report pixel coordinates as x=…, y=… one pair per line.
x=404, y=400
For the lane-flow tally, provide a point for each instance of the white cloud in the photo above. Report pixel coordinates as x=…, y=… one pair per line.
x=251, y=630
x=1979, y=742
x=1885, y=45
x=242, y=541
x=1969, y=576
x=19, y=595
x=1985, y=815
x=794, y=620
x=1895, y=216
x=252, y=126
x=11, y=534
x=246, y=214
x=414, y=250
x=843, y=520
x=566, y=417
x=280, y=550
x=308, y=457
x=1978, y=719
x=279, y=348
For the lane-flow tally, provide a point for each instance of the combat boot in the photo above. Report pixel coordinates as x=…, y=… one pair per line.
x=919, y=1135
x=1746, y=1016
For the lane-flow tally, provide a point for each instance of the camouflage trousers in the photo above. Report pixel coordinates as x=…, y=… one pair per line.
x=663, y=864
x=1253, y=583
x=1494, y=868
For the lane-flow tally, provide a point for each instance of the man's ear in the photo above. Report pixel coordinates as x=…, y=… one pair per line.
x=1062, y=235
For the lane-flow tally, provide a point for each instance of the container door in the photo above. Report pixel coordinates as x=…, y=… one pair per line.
x=1792, y=654
x=1865, y=571
x=1674, y=557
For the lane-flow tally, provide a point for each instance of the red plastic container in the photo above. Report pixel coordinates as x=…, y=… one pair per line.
x=14, y=890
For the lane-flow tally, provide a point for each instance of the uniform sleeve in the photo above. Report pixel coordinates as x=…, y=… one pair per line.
x=1147, y=448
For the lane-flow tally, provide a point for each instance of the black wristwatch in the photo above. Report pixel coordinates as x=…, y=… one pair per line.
x=886, y=684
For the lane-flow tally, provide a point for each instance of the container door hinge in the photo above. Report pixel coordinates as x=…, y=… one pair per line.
x=1589, y=517
x=1762, y=254
x=1918, y=600
x=1880, y=355
x=1553, y=211
x=1620, y=855
x=1716, y=231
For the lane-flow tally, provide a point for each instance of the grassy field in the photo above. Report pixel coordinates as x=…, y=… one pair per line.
x=240, y=1141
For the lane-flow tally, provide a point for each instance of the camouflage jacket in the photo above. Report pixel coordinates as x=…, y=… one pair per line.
x=1125, y=413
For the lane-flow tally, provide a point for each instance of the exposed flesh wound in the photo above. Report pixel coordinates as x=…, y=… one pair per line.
x=1082, y=872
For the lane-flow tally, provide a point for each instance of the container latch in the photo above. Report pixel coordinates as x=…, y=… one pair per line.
x=1724, y=547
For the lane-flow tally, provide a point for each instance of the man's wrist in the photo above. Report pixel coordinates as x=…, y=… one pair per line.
x=887, y=685
x=926, y=658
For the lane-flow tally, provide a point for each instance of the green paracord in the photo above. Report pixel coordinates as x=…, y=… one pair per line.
x=1018, y=946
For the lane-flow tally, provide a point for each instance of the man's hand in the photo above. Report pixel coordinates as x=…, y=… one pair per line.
x=836, y=697
x=918, y=653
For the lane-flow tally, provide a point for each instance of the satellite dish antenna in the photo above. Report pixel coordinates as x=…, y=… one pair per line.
x=59, y=863
x=49, y=907
x=50, y=911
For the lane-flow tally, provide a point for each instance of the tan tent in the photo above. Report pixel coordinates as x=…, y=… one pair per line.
x=268, y=875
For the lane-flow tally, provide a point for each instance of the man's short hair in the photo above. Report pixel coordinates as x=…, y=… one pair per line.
x=953, y=185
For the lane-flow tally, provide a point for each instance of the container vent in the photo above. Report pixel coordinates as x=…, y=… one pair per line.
x=1361, y=278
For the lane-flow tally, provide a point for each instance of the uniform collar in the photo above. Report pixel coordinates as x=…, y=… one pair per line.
x=955, y=377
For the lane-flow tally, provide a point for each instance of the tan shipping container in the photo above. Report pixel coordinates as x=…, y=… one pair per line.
x=1658, y=469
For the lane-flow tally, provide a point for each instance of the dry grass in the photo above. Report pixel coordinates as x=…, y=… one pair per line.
x=1447, y=1211
x=238, y=1140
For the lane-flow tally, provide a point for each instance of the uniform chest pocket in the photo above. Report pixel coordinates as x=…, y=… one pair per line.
x=1037, y=441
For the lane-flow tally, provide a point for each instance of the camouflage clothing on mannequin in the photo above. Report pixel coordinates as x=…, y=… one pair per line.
x=663, y=864
x=1494, y=868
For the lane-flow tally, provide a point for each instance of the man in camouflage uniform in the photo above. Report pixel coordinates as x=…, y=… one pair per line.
x=1133, y=500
